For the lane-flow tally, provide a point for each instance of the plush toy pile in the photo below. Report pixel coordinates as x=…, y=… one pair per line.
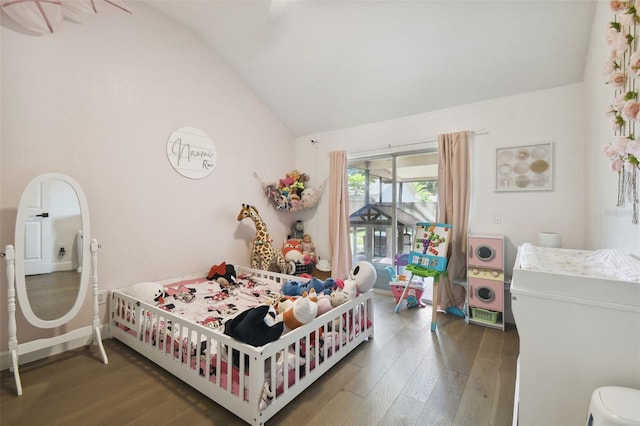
x=292, y=193
x=301, y=301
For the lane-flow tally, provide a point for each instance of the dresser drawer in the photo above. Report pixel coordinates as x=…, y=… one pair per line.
x=487, y=294
x=485, y=274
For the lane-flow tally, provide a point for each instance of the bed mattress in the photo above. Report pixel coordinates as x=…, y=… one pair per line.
x=209, y=304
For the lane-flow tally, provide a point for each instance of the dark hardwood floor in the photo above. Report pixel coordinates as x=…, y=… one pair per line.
x=462, y=374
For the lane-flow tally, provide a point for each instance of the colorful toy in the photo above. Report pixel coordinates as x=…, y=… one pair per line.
x=302, y=311
x=308, y=249
x=297, y=288
x=282, y=304
x=263, y=254
x=223, y=273
x=292, y=250
x=431, y=244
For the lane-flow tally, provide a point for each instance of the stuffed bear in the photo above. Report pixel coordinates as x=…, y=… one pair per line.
x=150, y=292
x=223, y=273
x=256, y=326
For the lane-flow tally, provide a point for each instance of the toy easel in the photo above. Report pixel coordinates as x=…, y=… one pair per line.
x=428, y=259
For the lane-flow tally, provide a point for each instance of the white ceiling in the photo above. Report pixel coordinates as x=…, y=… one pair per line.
x=324, y=65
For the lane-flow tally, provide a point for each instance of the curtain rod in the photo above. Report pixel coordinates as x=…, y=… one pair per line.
x=421, y=142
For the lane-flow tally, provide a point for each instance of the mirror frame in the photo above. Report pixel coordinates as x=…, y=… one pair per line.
x=21, y=287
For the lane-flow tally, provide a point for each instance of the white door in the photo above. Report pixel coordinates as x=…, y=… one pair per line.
x=37, y=232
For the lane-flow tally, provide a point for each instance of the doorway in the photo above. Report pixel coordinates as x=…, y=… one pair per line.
x=388, y=195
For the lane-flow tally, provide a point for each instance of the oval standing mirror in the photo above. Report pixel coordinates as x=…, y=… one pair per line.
x=52, y=250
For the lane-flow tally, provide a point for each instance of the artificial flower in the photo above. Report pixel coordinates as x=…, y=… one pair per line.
x=610, y=66
x=618, y=79
x=622, y=40
x=633, y=148
x=631, y=110
x=619, y=145
x=617, y=165
x=609, y=151
x=634, y=64
x=618, y=6
x=629, y=17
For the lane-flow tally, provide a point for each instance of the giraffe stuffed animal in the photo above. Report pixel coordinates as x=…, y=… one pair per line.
x=263, y=254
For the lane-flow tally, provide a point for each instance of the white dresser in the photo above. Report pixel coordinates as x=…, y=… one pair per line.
x=579, y=330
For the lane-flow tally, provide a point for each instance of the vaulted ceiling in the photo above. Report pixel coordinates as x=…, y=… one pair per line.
x=324, y=65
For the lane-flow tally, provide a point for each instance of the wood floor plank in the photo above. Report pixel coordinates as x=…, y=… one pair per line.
x=403, y=412
x=422, y=383
x=405, y=375
x=442, y=405
x=375, y=404
x=336, y=411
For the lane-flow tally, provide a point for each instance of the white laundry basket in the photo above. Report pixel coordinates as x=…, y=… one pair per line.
x=614, y=406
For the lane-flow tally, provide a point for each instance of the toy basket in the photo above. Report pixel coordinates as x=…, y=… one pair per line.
x=484, y=315
x=302, y=268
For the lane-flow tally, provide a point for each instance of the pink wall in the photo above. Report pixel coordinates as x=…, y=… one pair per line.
x=97, y=101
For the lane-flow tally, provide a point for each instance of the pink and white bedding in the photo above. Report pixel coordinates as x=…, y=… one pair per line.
x=210, y=305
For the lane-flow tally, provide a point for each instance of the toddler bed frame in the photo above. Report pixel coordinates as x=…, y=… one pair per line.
x=198, y=364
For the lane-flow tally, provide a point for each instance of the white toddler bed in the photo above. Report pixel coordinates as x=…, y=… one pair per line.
x=194, y=348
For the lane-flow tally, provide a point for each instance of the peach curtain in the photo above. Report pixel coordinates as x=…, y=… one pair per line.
x=453, y=208
x=340, y=249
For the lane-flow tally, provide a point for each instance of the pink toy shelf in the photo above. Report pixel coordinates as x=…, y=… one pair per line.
x=430, y=246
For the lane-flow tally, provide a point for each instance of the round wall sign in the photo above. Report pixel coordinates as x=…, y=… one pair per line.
x=191, y=152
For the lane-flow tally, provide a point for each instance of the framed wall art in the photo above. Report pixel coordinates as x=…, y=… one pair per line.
x=525, y=168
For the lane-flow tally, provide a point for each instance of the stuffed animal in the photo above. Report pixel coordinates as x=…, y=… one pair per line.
x=283, y=303
x=292, y=250
x=150, y=292
x=223, y=273
x=302, y=311
x=297, y=288
x=297, y=230
x=329, y=285
x=362, y=278
x=255, y=326
x=290, y=288
x=345, y=291
x=364, y=275
x=324, y=304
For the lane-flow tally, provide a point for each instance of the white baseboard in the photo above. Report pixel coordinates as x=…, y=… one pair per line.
x=80, y=339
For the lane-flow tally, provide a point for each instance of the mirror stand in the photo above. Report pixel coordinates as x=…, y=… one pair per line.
x=16, y=349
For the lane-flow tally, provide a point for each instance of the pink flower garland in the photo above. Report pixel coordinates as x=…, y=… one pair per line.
x=622, y=69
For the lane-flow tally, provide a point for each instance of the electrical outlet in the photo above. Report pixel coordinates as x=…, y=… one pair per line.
x=497, y=218
x=102, y=297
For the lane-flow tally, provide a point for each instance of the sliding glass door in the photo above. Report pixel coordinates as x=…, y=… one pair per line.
x=388, y=195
